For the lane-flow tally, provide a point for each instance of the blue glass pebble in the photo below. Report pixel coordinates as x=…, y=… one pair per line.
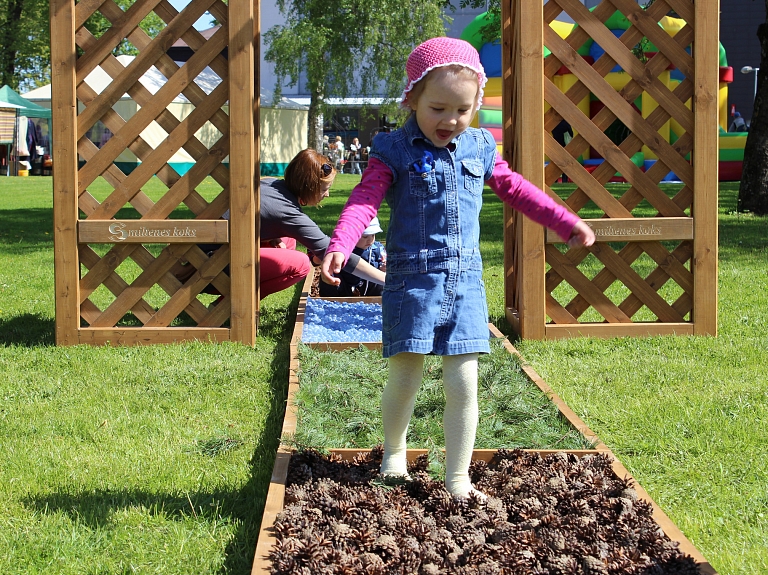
x=335, y=321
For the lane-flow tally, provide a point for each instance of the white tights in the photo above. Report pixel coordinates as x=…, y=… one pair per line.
x=459, y=419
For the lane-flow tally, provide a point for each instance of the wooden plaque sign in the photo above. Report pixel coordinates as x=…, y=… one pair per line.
x=148, y=231
x=636, y=229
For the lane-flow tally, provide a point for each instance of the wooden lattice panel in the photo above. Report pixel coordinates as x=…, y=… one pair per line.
x=121, y=255
x=653, y=269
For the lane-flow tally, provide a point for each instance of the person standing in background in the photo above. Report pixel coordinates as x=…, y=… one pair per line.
x=738, y=124
x=340, y=156
x=354, y=156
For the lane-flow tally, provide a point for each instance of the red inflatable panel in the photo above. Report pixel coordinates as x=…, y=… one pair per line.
x=730, y=171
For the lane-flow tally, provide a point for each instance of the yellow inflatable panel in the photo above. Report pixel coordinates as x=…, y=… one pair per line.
x=492, y=88
x=617, y=80
x=672, y=25
x=722, y=109
x=562, y=28
x=732, y=141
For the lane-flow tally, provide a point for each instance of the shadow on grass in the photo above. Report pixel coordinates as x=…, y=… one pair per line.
x=26, y=230
x=740, y=236
x=27, y=330
x=278, y=324
x=243, y=507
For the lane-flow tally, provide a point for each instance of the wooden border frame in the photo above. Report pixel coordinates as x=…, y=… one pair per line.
x=276, y=494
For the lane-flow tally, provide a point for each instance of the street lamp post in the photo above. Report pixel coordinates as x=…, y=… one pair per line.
x=749, y=70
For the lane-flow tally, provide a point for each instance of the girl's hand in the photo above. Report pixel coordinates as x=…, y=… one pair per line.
x=582, y=235
x=332, y=263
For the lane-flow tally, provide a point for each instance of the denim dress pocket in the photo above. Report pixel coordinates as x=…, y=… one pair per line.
x=392, y=305
x=472, y=171
x=423, y=185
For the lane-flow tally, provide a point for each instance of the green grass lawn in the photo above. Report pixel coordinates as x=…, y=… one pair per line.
x=157, y=459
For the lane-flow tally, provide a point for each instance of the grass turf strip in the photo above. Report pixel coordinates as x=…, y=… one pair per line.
x=339, y=404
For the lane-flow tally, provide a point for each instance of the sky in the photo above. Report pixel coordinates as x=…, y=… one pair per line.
x=202, y=24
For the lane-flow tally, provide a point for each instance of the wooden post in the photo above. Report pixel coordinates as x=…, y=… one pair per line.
x=242, y=158
x=530, y=130
x=64, y=120
x=704, y=210
x=257, y=150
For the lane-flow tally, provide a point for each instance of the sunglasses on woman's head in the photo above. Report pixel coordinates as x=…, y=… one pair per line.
x=327, y=169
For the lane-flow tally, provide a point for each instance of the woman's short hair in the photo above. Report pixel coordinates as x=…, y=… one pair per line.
x=307, y=172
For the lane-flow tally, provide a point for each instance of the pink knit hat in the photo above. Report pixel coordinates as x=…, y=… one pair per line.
x=443, y=51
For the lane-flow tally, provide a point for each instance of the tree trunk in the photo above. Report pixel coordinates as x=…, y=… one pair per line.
x=753, y=189
x=8, y=34
x=315, y=122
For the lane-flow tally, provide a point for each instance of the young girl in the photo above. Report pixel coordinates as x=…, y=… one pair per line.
x=431, y=172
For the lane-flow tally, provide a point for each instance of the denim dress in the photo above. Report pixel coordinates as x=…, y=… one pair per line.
x=434, y=297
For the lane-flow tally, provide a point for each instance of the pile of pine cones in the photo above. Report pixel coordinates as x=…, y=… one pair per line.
x=544, y=515
x=314, y=289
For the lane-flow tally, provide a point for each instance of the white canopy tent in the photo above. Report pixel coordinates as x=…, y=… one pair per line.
x=283, y=128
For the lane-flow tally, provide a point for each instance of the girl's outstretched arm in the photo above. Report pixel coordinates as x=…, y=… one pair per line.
x=534, y=203
x=334, y=261
x=361, y=207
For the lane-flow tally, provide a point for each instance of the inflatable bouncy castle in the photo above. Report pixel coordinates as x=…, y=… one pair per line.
x=731, y=145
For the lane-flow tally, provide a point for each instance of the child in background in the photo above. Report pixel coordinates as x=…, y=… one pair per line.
x=369, y=251
x=431, y=172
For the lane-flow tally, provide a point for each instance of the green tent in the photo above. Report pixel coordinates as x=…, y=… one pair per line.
x=26, y=108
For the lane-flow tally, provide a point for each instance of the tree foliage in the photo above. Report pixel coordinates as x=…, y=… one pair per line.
x=349, y=47
x=97, y=25
x=25, y=39
x=753, y=188
x=491, y=30
x=25, y=56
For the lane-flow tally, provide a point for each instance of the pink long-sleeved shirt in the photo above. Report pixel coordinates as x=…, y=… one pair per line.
x=512, y=188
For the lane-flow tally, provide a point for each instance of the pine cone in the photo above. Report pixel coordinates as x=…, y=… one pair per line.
x=388, y=519
x=593, y=566
x=301, y=473
x=388, y=545
x=372, y=563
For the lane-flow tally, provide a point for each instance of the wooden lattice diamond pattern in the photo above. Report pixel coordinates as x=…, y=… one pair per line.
x=644, y=76
x=127, y=189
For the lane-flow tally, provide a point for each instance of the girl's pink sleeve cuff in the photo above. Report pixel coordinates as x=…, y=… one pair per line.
x=517, y=192
x=361, y=207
